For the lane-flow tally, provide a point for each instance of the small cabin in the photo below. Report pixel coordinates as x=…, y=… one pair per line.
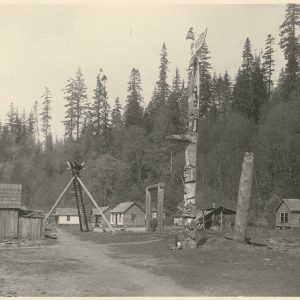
x=96, y=217
x=216, y=218
x=288, y=214
x=16, y=220
x=10, y=205
x=66, y=216
x=127, y=214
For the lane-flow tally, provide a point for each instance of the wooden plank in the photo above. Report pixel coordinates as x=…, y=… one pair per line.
x=148, y=211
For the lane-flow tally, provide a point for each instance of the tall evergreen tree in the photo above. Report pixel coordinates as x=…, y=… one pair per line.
x=76, y=106
x=133, y=111
x=163, y=88
x=289, y=43
x=173, y=109
x=268, y=64
x=36, y=119
x=247, y=63
x=46, y=113
x=31, y=124
x=227, y=93
x=116, y=114
x=249, y=91
x=11, y=120
x=258, y=88
x=205, y=80
x=100, y=108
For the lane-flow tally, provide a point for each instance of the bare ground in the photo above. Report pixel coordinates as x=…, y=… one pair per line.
x=76, y=268
x=128, y=264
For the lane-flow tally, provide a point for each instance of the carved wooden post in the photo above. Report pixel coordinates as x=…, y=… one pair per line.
x=160, y=206
x=191, y=139
x=244, y=194
x=148, y=211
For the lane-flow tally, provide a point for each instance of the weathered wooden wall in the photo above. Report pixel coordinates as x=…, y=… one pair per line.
x=31, y=228
x=8, y=223
x=140, y=217
x=293, y=217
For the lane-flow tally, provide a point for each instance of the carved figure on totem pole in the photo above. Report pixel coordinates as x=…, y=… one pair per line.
x=191, y=139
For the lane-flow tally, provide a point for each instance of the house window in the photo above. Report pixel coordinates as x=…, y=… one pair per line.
x=68, y=218
x=133, y=217
x=284, y=218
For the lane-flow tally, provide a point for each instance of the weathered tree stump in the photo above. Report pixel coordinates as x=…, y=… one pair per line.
x=244, y=194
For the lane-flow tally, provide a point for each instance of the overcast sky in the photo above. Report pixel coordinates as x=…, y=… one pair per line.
x=43, y=44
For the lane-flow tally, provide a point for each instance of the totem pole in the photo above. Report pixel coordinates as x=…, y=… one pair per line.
x=191, y=139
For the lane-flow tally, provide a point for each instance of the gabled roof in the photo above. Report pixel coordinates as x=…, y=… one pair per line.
x=62, y=211
x=212, y=211
x=292, y=204
x=124, y=206
x=10, y=195
x=94, y=211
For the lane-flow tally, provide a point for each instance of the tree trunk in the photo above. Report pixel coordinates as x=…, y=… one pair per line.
x=244, y=195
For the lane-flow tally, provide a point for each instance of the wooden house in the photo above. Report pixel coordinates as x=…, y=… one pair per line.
x=66, y=216
x=215, y=218
x=288, y=214
x=127, y=214
x=96, y=218
x=10, y=204
x=17, y=221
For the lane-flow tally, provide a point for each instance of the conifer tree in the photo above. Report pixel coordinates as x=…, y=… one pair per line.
x=258, y=88
x=268, y=64
x=247, y=63
x=46, y=113
x=289, y=43
x=116, y=115
x=172, y=106
x=36, y=119
x=249, y=91
x=163, y=88
x=205, y=80
x=31, y=124
x=100, y=108
x=76, y=106
x=227, y=92
x=11, y=119
x=133, y=111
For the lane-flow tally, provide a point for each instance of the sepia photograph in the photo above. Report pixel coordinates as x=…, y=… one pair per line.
x=149, y=148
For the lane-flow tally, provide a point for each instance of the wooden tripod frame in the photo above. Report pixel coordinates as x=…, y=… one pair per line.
x=90, y=197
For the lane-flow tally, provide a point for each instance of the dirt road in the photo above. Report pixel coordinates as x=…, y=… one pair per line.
x=73, y=267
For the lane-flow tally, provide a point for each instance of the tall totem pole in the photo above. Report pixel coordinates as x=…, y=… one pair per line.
x=191, y=139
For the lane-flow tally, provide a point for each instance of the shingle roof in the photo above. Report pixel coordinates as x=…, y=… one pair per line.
x=94, y=211
x=10, y=195
x=292, y=204
x=62, y=211
x=123, y=207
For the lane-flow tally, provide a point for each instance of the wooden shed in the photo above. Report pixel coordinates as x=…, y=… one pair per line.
x=10, y=204
x=215, y=218
x=96, y=218
x=288, y=214
x=127, y=214
x=31, y=224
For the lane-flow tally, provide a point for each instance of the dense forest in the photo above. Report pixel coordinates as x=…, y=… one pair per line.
x=124, y=148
